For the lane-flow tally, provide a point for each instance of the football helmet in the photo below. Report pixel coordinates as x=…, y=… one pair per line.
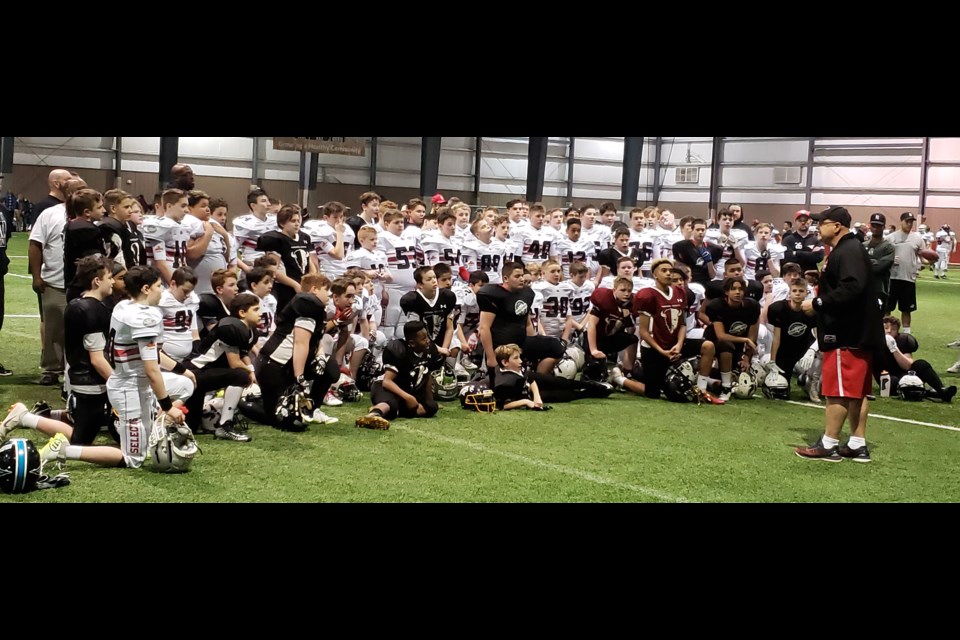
x=910, y=387
x=576, y=353
x=776, y=386
x=370, y=368
x=346, y=389
x=566, y=368
x=210, y=418
x=745, y=385
x=445, y=386
x=292, y=406
x=677, y=386
x=19, y=466
x=477, y=397
x=172, y=447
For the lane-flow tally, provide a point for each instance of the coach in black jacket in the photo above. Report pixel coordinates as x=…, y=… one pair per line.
x=849, y=327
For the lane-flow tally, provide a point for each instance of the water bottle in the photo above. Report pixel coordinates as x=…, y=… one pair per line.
x=884, y=384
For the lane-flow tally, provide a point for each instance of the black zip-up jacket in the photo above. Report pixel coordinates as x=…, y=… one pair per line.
x=800, y=250
x=848, y=313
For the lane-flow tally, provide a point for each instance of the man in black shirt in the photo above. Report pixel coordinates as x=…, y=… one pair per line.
x=609, y=258
x=802, y=246
x=86, y=327
x=505, y=319
x=294, y=248
x=734, y=325
x=695, y=254
x=81, y=237
x=406, y=387
x=223, y=362
x=738, y=221
x=216, y=306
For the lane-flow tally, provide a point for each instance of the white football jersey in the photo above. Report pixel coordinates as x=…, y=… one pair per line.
x=553, y=307
x=699, y=294
x=583, y=250
x=648, y=245
x=165, y=240
x=715, y=237
x=323, y=237
x=247, y=230
x=667, y=240
x=213, y=259
x=179, y=323
x=599, y=234
x=758, y=260
x=438, y=248
x=401, y=252
x=135, y=331
x=489, y=258
x=534, y=245
x=578, y=298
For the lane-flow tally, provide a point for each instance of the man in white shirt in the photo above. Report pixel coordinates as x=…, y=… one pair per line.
x=46, y=267
x=907, y=245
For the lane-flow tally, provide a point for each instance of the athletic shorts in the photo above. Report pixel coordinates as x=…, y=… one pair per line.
x=846, y=373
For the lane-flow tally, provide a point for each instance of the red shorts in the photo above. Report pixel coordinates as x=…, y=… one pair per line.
x=846, y=373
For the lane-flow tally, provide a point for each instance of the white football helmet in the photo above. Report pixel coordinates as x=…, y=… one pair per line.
x=252, y=391
x=212, y=407
x=745, y=385
x=566, y=368
x=445, y=385
x=575, y=353
x=910, y=387
x=172, y=447
x=776, y=386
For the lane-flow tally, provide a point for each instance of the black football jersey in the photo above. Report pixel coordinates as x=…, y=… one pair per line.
x=86, y=325
x=736, y=320
x=81, y=238
x=231, y=335
x=305, y=311
x=796, y=329
x=211, y=311
x=434, y=313
x=412, y=368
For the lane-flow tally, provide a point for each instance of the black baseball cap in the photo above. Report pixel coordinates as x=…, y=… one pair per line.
x=833, y=214
x=878, y=218
x=906, y=215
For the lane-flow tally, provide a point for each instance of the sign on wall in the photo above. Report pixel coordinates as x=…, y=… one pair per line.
x=337, y=146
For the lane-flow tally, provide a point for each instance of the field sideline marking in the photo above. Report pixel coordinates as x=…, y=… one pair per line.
x=17, y=275
x=877, y=415
x=11, y=315
x=583, y=475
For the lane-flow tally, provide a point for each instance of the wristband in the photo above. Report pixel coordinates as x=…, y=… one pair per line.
x=165, y=403
x=179, y=368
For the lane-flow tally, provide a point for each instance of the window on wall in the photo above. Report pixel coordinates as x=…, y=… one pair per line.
x=688, y=175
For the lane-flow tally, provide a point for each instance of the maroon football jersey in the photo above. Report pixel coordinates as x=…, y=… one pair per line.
x=613, y=317
x=667, y=313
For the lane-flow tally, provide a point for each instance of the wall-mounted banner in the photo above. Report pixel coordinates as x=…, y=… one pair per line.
x=338, y=146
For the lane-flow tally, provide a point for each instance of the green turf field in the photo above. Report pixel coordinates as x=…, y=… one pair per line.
x=624, y=449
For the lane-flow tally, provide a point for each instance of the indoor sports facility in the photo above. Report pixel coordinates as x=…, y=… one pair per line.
x=356, y=224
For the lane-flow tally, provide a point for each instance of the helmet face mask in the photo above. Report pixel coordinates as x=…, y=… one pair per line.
x=293, y=404
x=745, y=386
x=776, y=386
x=477, y=397
x=445, y=385
x=172, y=447
x=677, y=386
x=19, y=466
x=910, y=387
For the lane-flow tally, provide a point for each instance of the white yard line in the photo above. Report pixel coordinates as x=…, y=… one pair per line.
x=882, y=417
x=570, y=471
x=12, y=315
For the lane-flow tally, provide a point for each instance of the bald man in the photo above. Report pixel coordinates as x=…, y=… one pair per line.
x=181, y=177
x=46, y=267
